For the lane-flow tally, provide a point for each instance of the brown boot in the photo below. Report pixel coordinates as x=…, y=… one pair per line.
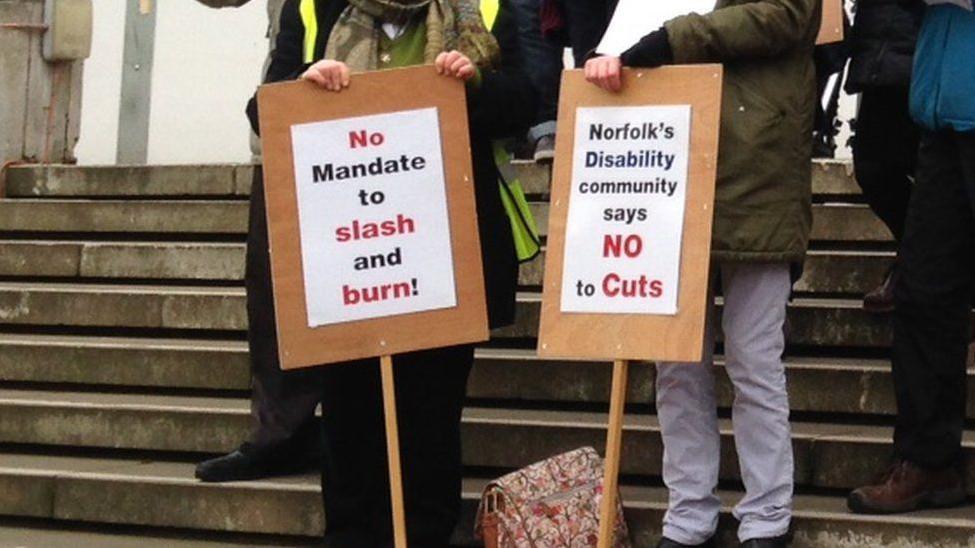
x=905, y=488
x=881, y=299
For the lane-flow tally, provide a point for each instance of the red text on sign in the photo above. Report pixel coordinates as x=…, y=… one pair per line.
x=616, y=286
x=363, y=139
x=352, y=296
x=615, y=245
x=359, y=230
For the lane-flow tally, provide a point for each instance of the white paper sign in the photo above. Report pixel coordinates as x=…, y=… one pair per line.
x=626, y=210
x=634, y=19
x=372, y=208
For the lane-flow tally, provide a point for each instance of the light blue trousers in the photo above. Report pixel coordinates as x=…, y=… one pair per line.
x=755, y=298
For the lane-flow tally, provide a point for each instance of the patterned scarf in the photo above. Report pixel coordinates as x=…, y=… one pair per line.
x=450, y=25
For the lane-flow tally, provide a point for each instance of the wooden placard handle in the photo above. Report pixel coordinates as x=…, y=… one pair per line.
x=392, y=451
x=614, y=438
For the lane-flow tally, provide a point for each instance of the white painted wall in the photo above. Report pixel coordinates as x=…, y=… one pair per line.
x=207, y=64
x=102, y=80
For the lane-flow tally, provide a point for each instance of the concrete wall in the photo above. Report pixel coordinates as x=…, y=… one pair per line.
x=207, y=63
x=39, y=101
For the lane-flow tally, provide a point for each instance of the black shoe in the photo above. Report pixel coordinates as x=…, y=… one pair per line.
x=667, y=543
x=247, y=463
x=773, y=542
x=881, y=299
x=824, y=146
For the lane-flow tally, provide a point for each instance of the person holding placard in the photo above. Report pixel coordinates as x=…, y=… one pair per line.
x=285, y=436
x=327, y=42
x=762, y=222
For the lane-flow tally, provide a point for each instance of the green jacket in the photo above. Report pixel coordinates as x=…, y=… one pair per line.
x=763, y=209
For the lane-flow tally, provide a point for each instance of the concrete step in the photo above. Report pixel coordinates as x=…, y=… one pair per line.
x=818, y=522
x=123, y=260
x=825, y=271
x=816, y=385
x=162, y=494
x=23, y=533
x=832, y=222
x=91, y=305
x=820, y=322
x=124, y=216
x=125, y=362
x=827, y=455
x=830, y=178
x=837, y=272
x=834, y=385
x=159, y=494
x=844, y=272
x=811, y=322
x=106, y=181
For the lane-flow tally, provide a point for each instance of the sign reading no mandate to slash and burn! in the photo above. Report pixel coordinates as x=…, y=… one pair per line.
x=373, y=229
x=384, y=181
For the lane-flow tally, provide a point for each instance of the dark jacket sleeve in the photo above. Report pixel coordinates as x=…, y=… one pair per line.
x=287, y=62
x=651, y=51
x=766, y=28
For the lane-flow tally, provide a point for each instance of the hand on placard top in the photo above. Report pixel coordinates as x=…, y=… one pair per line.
x=329, y=74
x=456, y=64
x=606, y=72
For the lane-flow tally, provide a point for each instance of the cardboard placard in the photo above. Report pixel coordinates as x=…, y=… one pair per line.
x=371, y=217
x=831, y=30
x=633, y=195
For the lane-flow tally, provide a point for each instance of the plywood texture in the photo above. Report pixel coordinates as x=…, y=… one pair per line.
x=40, y=108
x=832, y=28
x=637, y=336
x=286, y=104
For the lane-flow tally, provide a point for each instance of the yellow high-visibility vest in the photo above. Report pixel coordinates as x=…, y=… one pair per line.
x=523, y=228
x=309, y=19
x=528, y=243
x=489, y=11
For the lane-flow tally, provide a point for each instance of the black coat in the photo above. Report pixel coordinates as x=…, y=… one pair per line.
x=501, y=107
x=882, y=43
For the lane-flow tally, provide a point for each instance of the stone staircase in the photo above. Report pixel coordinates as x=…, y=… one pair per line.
x=123, y=363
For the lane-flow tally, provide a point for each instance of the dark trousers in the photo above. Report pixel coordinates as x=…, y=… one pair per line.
x=541, y=58
x=282, y=403
x=933, y=296
x=430, y=392
x=885, y=154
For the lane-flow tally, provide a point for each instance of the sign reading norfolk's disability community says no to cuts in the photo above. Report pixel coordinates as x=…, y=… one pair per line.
x=372, y=222
x=629, y=186
x=632, y=210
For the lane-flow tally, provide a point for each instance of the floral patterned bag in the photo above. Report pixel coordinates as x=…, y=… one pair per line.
x=550, y=504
